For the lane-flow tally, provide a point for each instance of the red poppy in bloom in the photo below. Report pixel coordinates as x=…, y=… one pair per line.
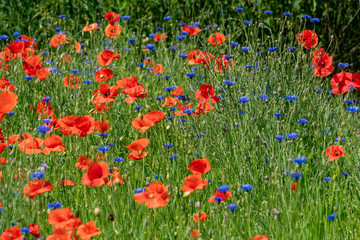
x=13, y=233
x=84, y=125
x=59, y=39
x=42, y=74
x=53, y=144
x=343, y=82
x=294, y=186
x=322, y=63
x=8, y=101
x=102, y=126
x=77, y=47
x=202, y=58
x=16, y=47
x=192, y=183
x=178, y=91
x=137, y=148
x=2, y=147
x=128, y=82
x=112, y=31
x=67, y=125
x=36, y=187
x=6, y=85
x=88, y=230
x=148, y=120
x=199, y=166
x=160, y=37
x=158, y=68
x=71, y=81
x=106, y=57
x=96, y=174
x=105, y=93
x=31, y=145
x=193, y=54
x=308, y=38
x=63, y=218
x=260, y=237
x=154, y=196
x=34, y=230
x=205, y=95
x=66, y=182
x=201, y=216
x=104, y=75
x=116, y=178
x=2, y=160
x=169, y=101
x=44, y=108
x=222, y=195
x=112, y=17
x=135, y=92
x=334, y=152
x=190, y=29
x=60, y=233
x=216, y=39
x=31, y=65
x=147, y=61
x=195, y=233
x=83, y=162
x=223, y=64
x=90, y=27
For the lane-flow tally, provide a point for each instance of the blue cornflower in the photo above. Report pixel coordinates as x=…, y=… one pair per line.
x=87, y=82
x=139, y=190
x=272, y=49
x=352, y=109
x=167, y=18
x=299, y=160
x=173, y=109
x=74, y=70
x=159, y=98
x=245, y=49
x=1, y=209
x=229, y=83
x=103, y=148
x=184, y=33
x=318, y=90
x=188, y=110
x=287, y=14
x=159, y=28
x=168, y=145
x=292, y=135
x=131, y=40
x=173, y=156
x=244, y=99
x=182, y=55
x=62, y=16
x=232, y=207
x=4, y=37
x=190, y=75
x=125, y=17
x=342, y=139
x=247, y=22
x=345, y=173
x=307, y=16
x=54, y=205
x=296, y=175
x=46, y=98
x=249, y=66
x=279, y=137
x=314, y=20
x=38, y=174
x=150, y=47
x=332, y=217
x=291, y=48
x=11, y=113
x=181, y=37
x=246, y=187
x=25, y=230
x=277, y=115
x=267, y=159
x=119, y=159
x=43, y=129
x=218, y=199
x=234, y=44
x=268, y=12
x=170, y=88
x=137, y=108
x=223, y=188
x=58, y=29
x=28, y=78
x=264, y=97
x=166, y=77
x=181, y=24
x=343, y=64
x=327, y=179
x=239, y=9
x=303, y=121
x=291, y=98
x=47, y=120
x=152, y=35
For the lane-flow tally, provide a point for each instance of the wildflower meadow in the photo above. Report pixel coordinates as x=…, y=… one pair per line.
x=205, y=129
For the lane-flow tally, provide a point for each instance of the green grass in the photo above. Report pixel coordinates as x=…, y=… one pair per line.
x=235, y=144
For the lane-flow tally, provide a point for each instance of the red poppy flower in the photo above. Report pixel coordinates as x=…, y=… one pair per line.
x=158, y=68
x=128, y=82
x=88, y=230
x=322, y=63
x=59, y=39
x=112, y=17
x=294, y=186
x=112, y=31
x=16, y=47
x=105, y=93
x=343, y=82
x=102, y=126
x=148, y=120
x=77, y=47
x=216, y=39
x=202, y=58
x=154, y=196
x=96, y=174
x=2, y=160
x=42, y=74
x=135, y=92
x=31, y=145
x=147, y=61
x=84, y=125
x=83, y=162
x=63, y=218
x=308, y=38
x=199, y=166
x=53, y=144
x=260, y=237
x=116, y=179
x=192, y=183
x=178, y=91
x=195, y=233
x=13, y=233
x=66, y=182
x=34, y=230
x=8, y=101
x=201, y=216
x=90, y=27
x=67, y=125
x=222, y=62
x=169, y=101
x=71, y=81
x=104, y=75
x=6, y=85
x=222, y=195
x=31, y=65
x=334, y=152
x=106, y=57
x=190, y=30
x=44, y=108
x=60, y=233
x=160, y=37
x=137, y=148
x=36, y=187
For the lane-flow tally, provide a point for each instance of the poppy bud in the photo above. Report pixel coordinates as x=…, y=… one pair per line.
x=97, y=211
x=186, y=194
x=168, y=127
x=111, y=217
